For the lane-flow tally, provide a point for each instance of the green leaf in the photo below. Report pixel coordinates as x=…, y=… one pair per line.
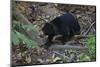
x=20, y=34
x=84, y=57
x=14, y=38
x=28, y=27
x=27, y=41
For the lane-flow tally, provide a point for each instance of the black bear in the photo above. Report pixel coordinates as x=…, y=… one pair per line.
x=66, y=25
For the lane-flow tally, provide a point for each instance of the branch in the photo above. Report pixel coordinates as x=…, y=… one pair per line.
x=76, y=37
x=70, y=44
x=89, y=28
x=24, y=20
x=66, y=46
x=21, y=17
x=80, y=36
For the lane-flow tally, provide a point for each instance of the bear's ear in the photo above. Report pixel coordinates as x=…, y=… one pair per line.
x=48, y=29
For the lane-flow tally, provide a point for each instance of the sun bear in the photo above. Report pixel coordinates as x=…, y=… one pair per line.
x=66, y=25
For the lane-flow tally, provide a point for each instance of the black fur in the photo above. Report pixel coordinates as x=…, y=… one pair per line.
x=66, y=25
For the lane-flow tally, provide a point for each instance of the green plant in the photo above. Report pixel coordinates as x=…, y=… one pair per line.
x=91, y=53
x=92, y=46
x=19, y=34
x=84, y=57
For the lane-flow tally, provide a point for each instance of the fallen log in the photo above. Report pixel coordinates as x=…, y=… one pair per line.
x=68, y=45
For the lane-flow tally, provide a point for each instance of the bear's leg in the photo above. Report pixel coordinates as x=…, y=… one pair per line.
x=49, y=41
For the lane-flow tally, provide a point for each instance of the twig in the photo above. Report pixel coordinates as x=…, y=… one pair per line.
x=89, y=28
x=80, y=36
x=60, y=54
